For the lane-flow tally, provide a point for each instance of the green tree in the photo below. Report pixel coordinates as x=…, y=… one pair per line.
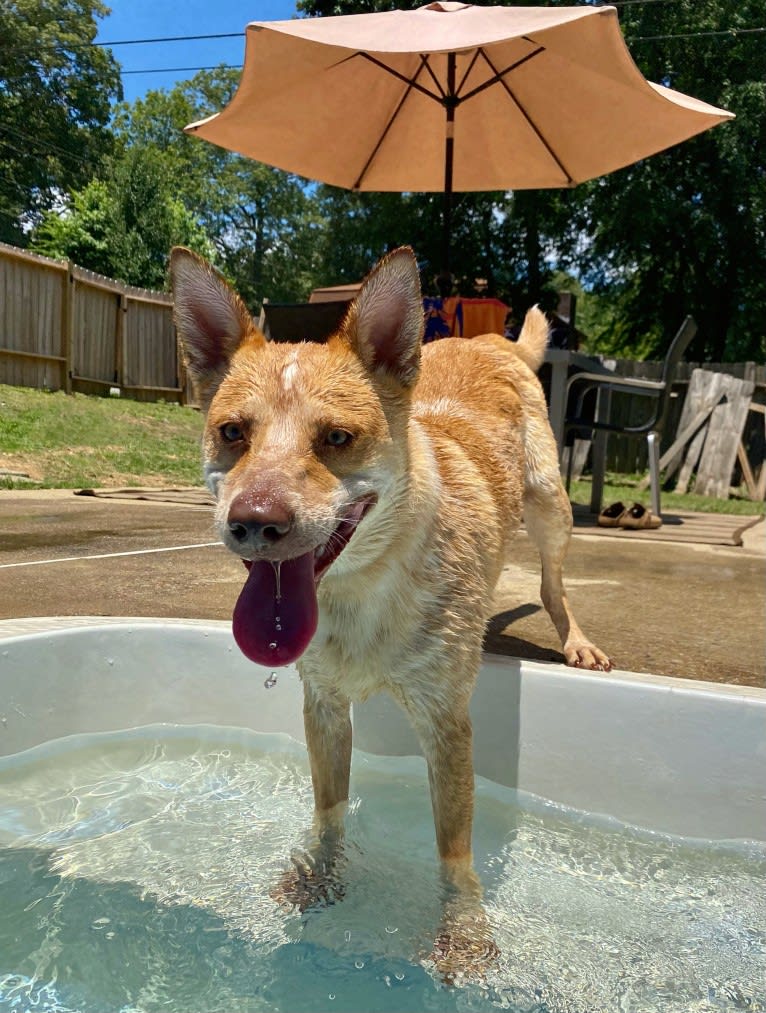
x=685, y=231
x=263, y=222
x=123, y=224
x=56, y=89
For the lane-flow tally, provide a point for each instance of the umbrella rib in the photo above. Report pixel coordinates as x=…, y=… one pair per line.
x=471, y=65
x=410, y=85
x=499, y=74
x=501, y=80
x=403, y=77
x=434, y=78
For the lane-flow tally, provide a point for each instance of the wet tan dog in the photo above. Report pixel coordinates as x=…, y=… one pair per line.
x=373, y=491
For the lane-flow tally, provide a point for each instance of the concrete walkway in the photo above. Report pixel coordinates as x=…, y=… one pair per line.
x=685, y=610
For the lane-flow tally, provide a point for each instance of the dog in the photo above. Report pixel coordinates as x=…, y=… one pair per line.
x=372, y=488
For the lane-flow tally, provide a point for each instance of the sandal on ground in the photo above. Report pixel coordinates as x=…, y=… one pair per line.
x=611, y=516
x=639, y=518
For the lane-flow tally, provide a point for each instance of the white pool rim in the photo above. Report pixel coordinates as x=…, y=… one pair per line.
x=669, y=755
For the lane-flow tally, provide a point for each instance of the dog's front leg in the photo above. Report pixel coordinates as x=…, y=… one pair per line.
x=327, y=723
x=315, y=875
x=464, y=943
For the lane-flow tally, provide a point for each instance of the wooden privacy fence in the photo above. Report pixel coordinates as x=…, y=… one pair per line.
x=65, y=328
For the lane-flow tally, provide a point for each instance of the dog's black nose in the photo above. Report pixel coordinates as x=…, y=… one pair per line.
x=256, y=525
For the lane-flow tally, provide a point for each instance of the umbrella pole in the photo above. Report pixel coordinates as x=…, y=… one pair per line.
x=450, y=102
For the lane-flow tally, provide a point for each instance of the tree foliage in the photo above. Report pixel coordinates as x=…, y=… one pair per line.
x=55, y=95
x=123, y=223
x=685, y=231
x=261, y=221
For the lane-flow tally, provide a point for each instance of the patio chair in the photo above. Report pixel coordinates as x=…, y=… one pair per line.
x=657, y=395
x=301, y=321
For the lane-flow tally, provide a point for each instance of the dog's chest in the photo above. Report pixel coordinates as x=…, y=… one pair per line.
x=361, y=648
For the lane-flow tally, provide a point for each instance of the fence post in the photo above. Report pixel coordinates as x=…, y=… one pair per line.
x=120, y=350
x=67, y=325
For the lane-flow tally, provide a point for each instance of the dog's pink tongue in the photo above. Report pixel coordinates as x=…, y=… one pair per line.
x=276, y=613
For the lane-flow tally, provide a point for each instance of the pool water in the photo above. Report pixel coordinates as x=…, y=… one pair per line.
x=136, y=869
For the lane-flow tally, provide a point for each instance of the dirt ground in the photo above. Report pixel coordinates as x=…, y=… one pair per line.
x=690, y=611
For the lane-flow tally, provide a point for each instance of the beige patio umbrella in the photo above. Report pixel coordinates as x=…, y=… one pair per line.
x=450, y=97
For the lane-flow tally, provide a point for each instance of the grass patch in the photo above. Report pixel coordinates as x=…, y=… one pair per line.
x=75, y=441
x=624, y=488
x=72, y=441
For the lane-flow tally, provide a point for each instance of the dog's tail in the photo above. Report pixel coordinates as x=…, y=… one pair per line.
x=533, y=339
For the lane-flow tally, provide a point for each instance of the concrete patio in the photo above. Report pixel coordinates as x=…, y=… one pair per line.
x=685, y=609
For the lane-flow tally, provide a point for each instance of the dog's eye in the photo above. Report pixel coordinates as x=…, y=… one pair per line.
x=338, y=437
x=231, y=432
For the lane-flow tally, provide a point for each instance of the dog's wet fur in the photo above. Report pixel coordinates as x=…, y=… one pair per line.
x=391, y=478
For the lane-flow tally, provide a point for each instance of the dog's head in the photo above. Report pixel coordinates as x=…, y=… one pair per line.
x=303, y=442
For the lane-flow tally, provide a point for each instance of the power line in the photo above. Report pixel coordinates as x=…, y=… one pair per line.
x=171, y=38
x=125, y=42
x=698, y=35
x=241, y=34
x=44, y=145
x=184, y=70
x=730, y=33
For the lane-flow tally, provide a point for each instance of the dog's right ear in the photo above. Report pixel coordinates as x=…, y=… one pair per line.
x=384, y=323
x=211, y=319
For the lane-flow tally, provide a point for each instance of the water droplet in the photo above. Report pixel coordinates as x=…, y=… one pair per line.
x=271, y=681
x=110, y=661
x=278, y=626
x=347, y=935
x=359, y=964
x=273, y=645
x=277, y=579
x=390, y=930
x=331, y=995
x=399, y=975
x=277, y=619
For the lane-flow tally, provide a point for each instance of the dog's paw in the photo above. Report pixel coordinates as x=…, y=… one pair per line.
x=308, y=884
x=588, y=656
x=464, y=950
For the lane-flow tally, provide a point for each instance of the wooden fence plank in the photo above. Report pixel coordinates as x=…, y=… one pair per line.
x=724, y=433
x=96, y=331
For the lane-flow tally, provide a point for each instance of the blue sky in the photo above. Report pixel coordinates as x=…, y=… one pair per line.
x=142, y=19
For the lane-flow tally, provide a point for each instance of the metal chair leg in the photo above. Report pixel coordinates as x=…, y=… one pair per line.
x=653, y=445
x=598, y=470
x=569, y=451
x=598, y=452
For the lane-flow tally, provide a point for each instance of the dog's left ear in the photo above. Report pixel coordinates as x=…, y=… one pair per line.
x=211, y=319
x=384, y=324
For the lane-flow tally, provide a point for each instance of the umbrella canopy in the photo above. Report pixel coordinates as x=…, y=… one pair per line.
x=448, y=97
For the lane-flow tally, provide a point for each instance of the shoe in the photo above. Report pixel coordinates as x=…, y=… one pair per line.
x=639, y=518
x=611, y=516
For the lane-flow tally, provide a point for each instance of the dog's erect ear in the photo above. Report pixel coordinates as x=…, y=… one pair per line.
x=384, y=324
x=211, y=319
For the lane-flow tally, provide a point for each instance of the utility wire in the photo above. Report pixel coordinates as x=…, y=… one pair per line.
x=241, y=34
x=46, y=146
x=169, y=38
x=698, y=35
x=184, y=70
